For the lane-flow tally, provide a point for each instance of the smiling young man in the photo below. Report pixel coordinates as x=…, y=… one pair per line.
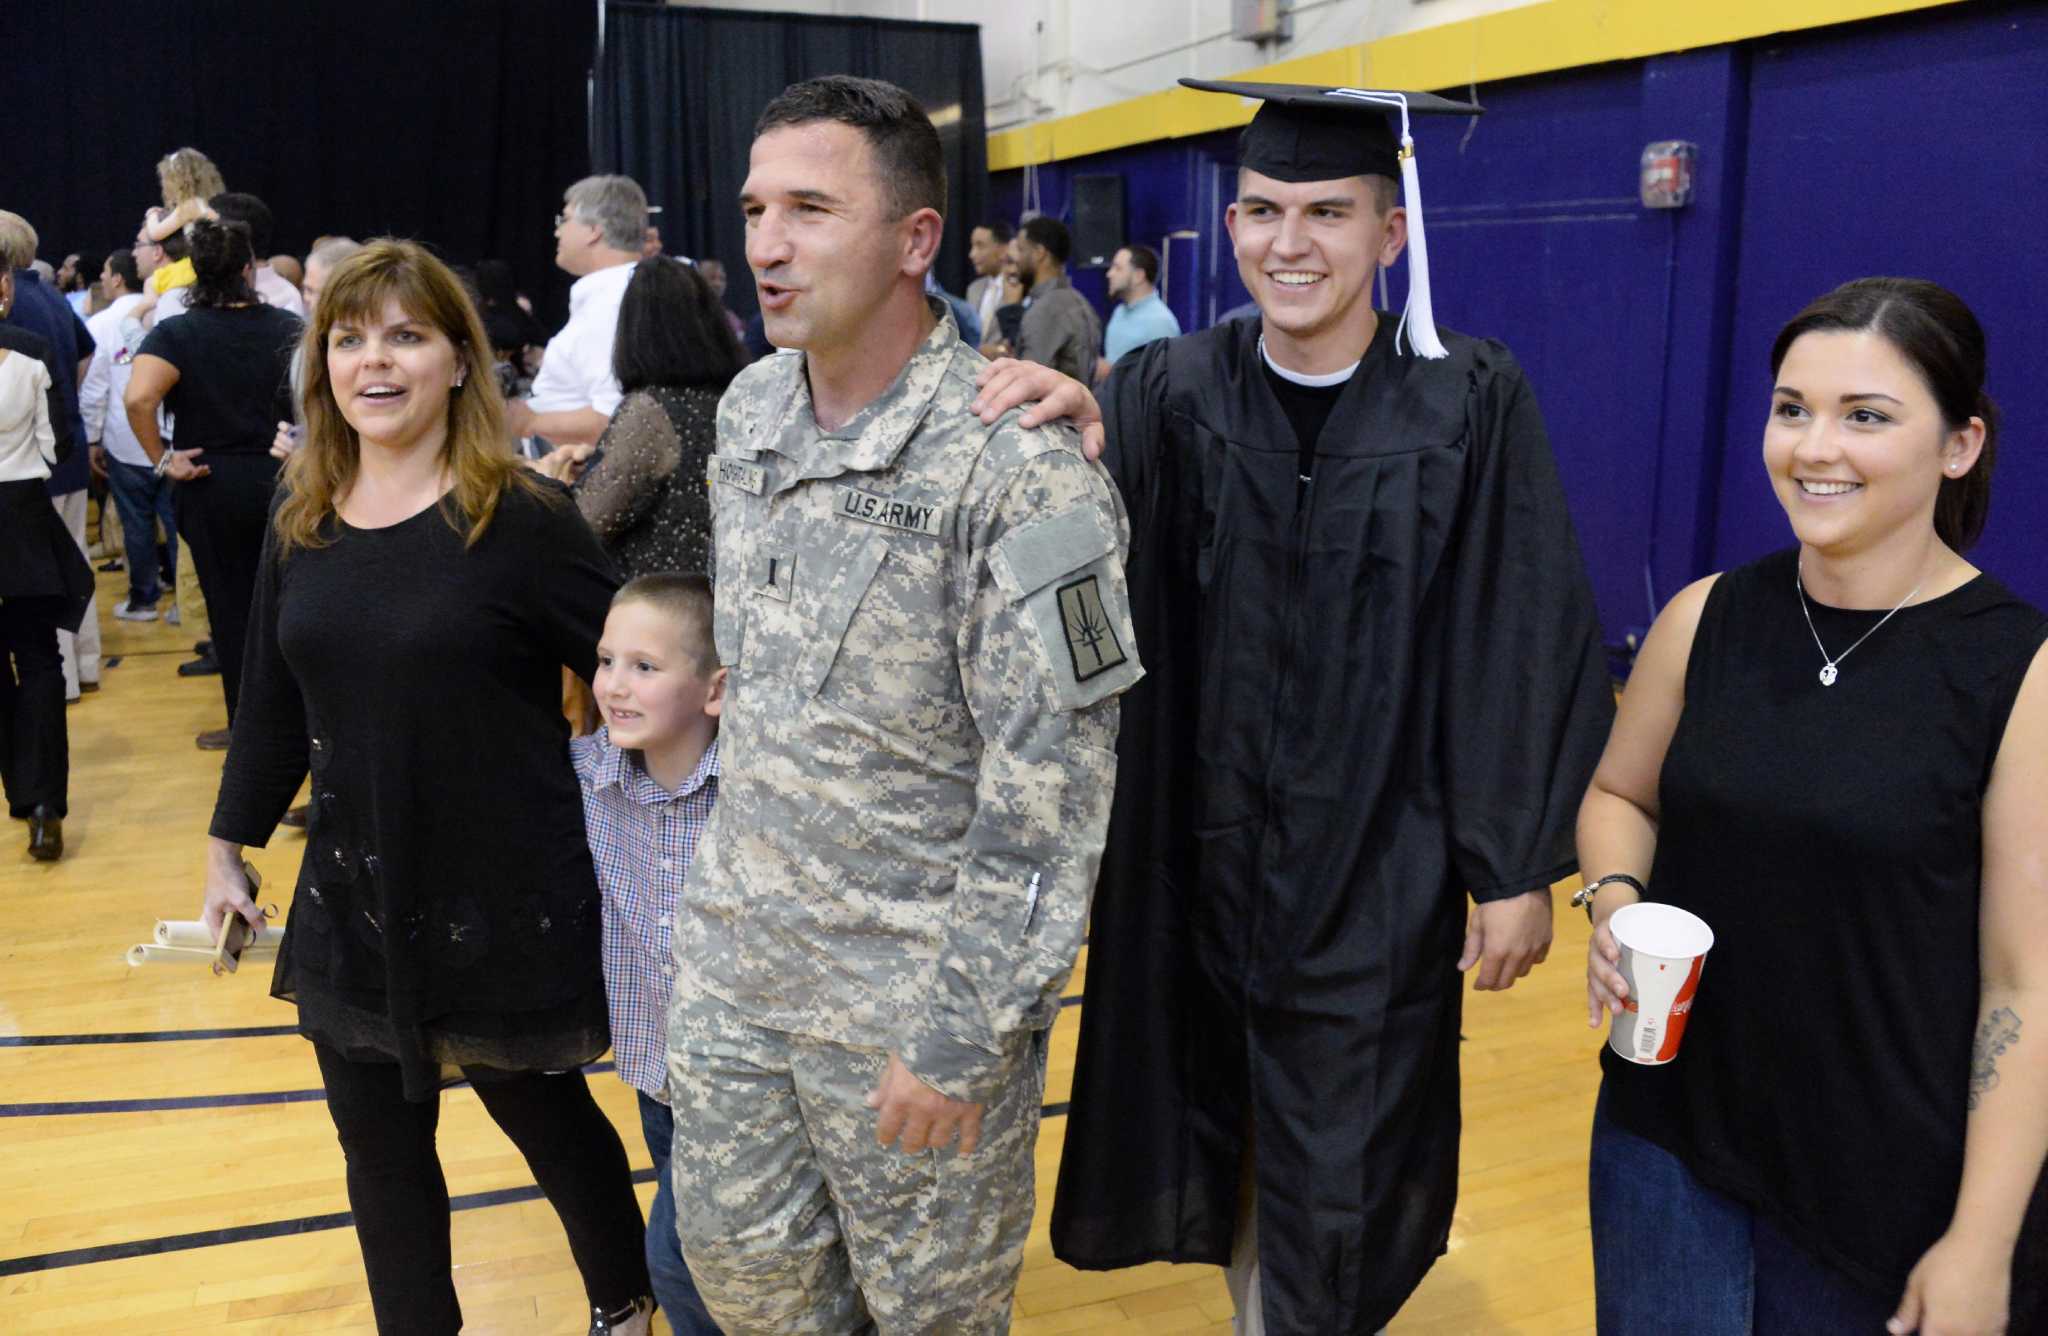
x=1377, y=688
x=924, y=624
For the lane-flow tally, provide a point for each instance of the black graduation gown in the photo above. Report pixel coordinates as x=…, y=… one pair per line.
x=1364, y=700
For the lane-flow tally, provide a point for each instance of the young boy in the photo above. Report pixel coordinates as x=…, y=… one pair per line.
x=649, y=778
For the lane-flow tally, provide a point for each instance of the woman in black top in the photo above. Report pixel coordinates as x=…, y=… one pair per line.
x=644, y=490
x=1838, y=757
x=419, y=595
x=223, y=369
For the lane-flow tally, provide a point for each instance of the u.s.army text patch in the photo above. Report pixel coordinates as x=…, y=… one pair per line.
x=874, y=508
x=1091, y=638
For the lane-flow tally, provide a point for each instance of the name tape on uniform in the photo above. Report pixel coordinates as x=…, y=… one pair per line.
x=750, y=478
x=873, y=508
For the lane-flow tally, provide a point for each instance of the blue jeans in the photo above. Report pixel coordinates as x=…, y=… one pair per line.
x=673, y=1288
x=1674, y=1257
x=142, y=499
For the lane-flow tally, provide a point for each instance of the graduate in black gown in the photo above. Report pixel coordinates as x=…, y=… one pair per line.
x=1376, y=688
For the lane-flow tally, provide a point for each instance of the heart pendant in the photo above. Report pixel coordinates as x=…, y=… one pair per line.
x=1827, y=675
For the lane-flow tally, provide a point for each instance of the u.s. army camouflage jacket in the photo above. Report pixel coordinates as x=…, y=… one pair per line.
x=926, y=626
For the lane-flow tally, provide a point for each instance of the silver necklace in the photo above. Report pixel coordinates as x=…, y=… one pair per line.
x=1828, y=674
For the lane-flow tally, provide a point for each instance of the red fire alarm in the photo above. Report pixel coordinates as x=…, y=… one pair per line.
x=1667, y=174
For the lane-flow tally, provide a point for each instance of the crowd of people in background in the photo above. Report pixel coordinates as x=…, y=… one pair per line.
x=172, y=438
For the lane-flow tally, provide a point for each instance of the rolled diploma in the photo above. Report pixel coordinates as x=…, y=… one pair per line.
x=193, y=933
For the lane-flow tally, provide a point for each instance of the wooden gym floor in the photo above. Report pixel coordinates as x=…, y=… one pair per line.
x=166, y=1164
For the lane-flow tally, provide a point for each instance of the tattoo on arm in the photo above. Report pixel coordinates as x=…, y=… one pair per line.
x=1999, y=1032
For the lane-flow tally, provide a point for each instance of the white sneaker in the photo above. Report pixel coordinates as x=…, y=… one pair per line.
x=137, y=612
x=172, y=618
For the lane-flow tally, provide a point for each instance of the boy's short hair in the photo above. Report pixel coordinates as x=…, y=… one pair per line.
x=687, y=600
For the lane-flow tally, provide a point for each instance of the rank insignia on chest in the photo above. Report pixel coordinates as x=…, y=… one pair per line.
x=1091, y=638
x=874, y=508
x=749, y=478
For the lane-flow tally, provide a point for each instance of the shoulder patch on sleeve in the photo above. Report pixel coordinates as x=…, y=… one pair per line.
x=1092, y=643
x=1064, y=572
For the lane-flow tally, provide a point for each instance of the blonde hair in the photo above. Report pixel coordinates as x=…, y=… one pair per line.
x=18, y=241
x=187, y=173
x=478, y=452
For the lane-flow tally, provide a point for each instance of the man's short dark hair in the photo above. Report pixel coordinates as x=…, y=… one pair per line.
x=1146, y=261
x=177, y=246
x=235, y=206
x=1050, y=234
x=999, y=230
x=122, y=262
x=899, y=134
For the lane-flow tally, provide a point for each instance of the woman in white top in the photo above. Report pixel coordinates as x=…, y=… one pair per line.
x=44, y=585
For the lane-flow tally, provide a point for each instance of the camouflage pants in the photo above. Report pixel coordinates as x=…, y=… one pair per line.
x=794, y=1220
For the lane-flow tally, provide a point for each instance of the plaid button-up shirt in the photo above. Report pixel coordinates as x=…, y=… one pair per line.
x=643, y=840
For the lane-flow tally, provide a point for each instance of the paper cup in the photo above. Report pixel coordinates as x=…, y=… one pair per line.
x=1662, y=950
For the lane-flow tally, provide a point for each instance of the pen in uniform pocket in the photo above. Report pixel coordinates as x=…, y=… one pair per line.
x=1031, y=902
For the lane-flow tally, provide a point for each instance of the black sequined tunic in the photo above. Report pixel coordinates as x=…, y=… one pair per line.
x=645, y=492
x=447, y=910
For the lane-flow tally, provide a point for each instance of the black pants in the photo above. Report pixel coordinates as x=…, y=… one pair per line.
x=400, y=1198
x=35, y=752
x=221, y=518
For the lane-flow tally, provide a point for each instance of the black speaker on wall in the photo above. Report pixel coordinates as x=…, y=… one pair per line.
x=1098, y=219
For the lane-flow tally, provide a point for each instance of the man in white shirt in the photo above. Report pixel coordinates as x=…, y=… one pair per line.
x=598, y=238
x=141, y=497
x=320, y=262
x=75, y=278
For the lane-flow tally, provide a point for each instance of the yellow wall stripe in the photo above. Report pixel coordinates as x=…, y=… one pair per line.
x=1533, y=39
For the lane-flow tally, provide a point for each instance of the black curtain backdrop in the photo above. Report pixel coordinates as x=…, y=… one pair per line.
x=678, y=91
x=454, y=122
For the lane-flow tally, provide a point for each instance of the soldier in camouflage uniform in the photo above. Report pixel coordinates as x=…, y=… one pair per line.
x=926, y=627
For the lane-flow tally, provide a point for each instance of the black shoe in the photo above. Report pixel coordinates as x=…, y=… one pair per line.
x=296, y=818
x=202, y=647
x=113, y=564
x=86, y=687
x=635, y=1319
x=213, y=739
x=45, y=835
x=203, y=666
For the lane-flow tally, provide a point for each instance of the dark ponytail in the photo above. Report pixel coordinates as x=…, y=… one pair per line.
x=221, y=255
x=1963, y=503
x=1934, y=330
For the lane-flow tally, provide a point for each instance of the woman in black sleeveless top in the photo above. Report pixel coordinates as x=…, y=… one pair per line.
x=1837, y=757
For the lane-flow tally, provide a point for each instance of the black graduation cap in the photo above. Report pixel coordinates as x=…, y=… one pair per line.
x=1308, y=132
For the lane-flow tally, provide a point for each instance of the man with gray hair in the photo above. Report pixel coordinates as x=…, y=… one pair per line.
x=320, y=262
x=598, y=238
x=327, y=253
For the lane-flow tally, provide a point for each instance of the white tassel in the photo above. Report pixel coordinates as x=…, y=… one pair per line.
x=1418, y=317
